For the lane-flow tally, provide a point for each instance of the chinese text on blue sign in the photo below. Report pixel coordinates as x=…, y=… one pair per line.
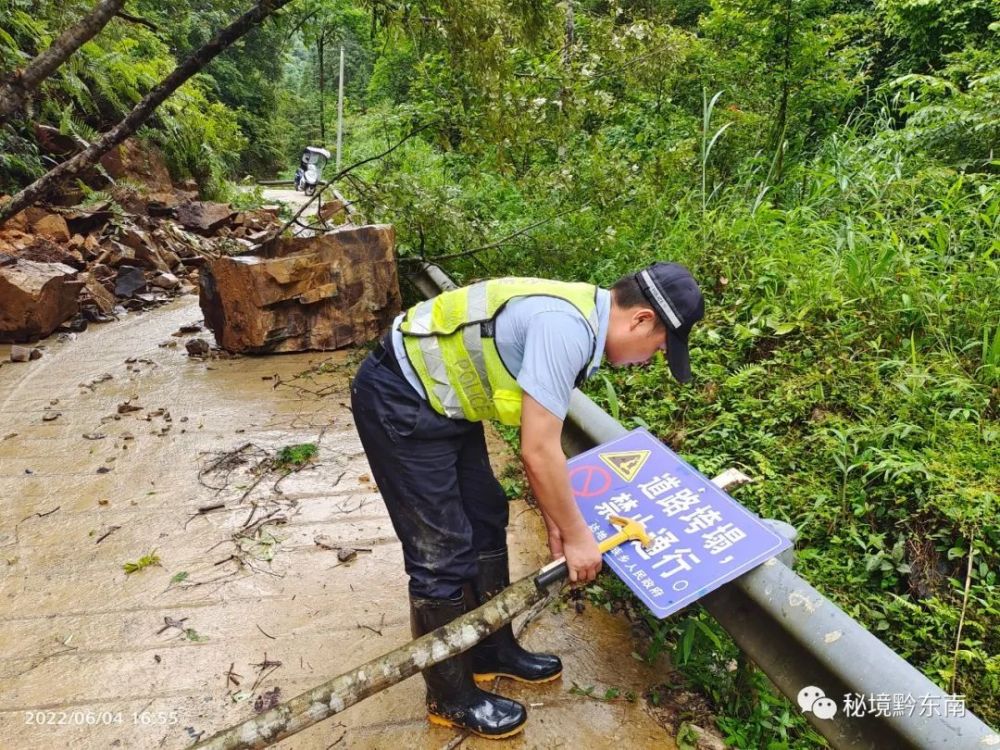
x=702, y=538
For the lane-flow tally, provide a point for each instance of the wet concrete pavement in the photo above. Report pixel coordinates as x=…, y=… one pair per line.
x=293, y=200
x=91, y=657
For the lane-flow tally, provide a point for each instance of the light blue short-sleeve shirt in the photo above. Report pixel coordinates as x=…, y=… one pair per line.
x=544, y=342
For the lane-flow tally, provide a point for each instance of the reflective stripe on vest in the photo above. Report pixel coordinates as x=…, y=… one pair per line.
x=459, y=367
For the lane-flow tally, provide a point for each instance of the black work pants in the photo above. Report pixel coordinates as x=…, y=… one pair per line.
x=434, y=475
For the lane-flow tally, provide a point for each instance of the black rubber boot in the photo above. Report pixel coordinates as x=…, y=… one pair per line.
x=453, y=700
x=500, y=655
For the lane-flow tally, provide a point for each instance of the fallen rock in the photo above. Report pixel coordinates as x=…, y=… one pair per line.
x=94, y=292
x=335, y=290
x=165, y=281
x=92, y=315
x=204, y=217
x=76, y=324
x=149, y=257
x=87, y=220
x=23, y=353
x=43, y=250
x=146, y=298
x=116, y=254
x=169, y=257
x=197, y=348
x=162, y=204
x=129, y=281
x=135, y=162
x=52, y=226
x=35, y=298
x=257, y=219
x=18, y=221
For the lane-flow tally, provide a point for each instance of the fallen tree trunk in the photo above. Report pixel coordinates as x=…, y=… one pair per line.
x=143, y=110
x=345, y=690
x=15, y=91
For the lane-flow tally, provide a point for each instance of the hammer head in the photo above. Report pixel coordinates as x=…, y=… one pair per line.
x=632, y=529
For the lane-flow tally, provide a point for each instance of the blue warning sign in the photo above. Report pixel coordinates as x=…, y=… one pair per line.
x=701, y=537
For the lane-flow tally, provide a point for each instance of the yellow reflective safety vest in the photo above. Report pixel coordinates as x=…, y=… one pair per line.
x=449, y=342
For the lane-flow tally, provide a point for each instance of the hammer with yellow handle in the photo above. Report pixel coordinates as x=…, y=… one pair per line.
x=629, y=530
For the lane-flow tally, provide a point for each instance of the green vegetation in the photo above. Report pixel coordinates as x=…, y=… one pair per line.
x=193, y=635
x=610, y=694
x=142, y=563
x=826, y=168
x=294, y=457
x=222, y=124
x=826, y=172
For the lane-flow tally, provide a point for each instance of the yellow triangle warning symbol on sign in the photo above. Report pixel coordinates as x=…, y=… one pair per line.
x=626, y=464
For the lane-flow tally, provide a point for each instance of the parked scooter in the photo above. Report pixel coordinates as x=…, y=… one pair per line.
x=310, y=170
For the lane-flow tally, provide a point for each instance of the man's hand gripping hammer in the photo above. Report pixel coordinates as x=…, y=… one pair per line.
x=629, y=530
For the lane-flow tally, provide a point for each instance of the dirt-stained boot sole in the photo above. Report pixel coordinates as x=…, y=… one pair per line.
x=486, y=676
x=441, y=721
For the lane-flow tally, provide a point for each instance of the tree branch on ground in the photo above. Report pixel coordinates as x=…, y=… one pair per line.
x=335, y=695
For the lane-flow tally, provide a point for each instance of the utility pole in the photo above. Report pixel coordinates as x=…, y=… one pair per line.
x=322, y=86
x=340, y=109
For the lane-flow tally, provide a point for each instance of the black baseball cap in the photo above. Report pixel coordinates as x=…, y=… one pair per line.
x=674, y=294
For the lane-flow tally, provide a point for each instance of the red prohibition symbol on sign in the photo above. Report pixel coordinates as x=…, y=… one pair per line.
x=589, y=480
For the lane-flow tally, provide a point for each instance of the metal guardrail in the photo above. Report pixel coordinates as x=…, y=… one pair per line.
x=796, y=635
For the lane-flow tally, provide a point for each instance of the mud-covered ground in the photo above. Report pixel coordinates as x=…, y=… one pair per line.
x=116, y=446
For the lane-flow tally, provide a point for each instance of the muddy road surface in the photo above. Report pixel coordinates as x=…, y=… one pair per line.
x=119, y=451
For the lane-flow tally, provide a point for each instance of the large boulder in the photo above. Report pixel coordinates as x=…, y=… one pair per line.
x=326, y=292
x=35, y=298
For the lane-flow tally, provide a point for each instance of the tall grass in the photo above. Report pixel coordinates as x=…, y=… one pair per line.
x=849, y=360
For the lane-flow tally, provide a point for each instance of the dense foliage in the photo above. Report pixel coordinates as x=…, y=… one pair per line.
x=839, y=202
x=221, y=124
x=826, y=169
